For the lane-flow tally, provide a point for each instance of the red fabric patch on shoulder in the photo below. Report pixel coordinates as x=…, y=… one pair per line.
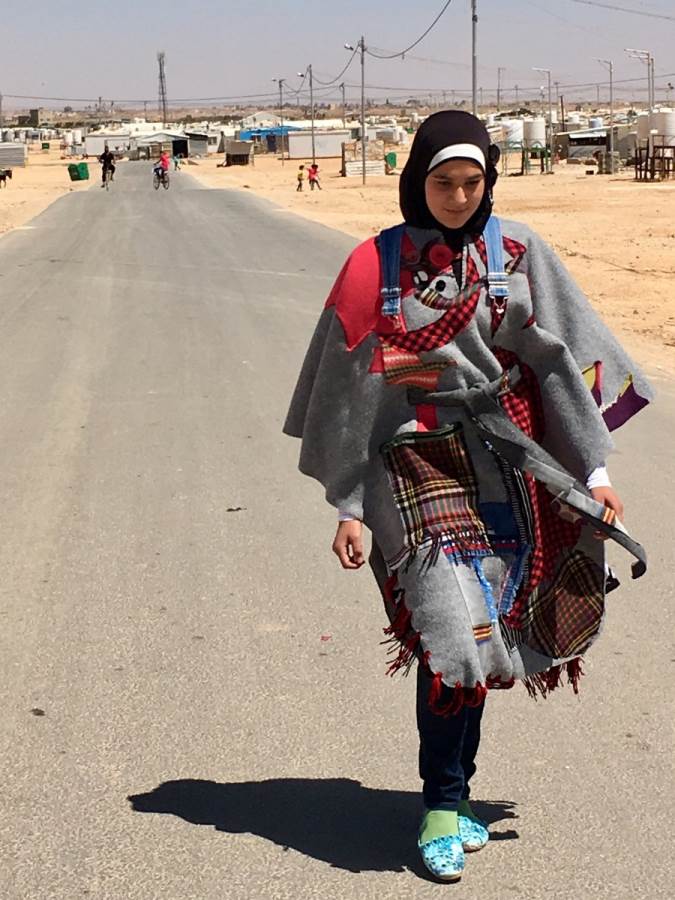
x=356, y=295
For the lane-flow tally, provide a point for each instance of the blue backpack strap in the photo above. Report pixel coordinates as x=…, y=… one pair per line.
x=389, y=244
x=498, y=285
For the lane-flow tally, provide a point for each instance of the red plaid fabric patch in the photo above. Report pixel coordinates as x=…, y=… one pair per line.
x=552, y=534
x=565, y=616
x=435, y=489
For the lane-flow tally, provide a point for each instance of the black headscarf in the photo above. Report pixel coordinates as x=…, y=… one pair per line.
x=438, y=133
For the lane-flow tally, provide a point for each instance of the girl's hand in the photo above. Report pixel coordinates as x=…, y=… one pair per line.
x=608, y=497
x=348, y=544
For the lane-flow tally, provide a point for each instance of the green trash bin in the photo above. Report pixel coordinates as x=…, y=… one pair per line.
x=83, y=169
x=74, y=172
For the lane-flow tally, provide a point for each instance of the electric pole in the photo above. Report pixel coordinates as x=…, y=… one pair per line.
x=281, y=82
x=361, y=46
x=474, y=57
x=499, y=88
x=610, y=66
x=549, y=167
x=162, y=87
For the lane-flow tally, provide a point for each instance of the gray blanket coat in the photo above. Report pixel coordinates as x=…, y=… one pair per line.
x=483, y=580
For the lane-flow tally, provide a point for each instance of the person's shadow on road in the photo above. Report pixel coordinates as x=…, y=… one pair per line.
x=336, y=820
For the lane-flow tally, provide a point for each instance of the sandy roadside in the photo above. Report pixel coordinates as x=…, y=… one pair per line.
x=616, y=237
x=31, y=190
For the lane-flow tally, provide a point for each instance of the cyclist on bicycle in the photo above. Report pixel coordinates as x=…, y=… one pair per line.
x=107, y=160
x=162, y=166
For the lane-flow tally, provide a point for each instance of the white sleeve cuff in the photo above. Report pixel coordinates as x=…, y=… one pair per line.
x=346, y=517
x=598, y=478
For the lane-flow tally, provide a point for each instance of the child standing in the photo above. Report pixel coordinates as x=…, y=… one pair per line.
x=457, y=399
x=314, y=176
x=301, y=178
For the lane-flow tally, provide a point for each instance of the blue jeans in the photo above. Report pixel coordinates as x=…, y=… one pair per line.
x=448, y=747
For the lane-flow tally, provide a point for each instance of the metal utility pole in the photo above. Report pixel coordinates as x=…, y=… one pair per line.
x=647, y=57
x=1, y=120
x=311, y=106
x=610, y=66
x=361, y=46
x=162, y=87
x=344, y=106
x=364, y=135
x=549, y=167
x=281, y=82
x=474, y=57
x=499, y=88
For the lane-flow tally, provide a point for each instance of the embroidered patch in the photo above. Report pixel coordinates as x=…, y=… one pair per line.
x=404, y=367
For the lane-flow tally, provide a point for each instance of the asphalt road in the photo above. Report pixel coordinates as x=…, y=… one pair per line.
x=174, y=628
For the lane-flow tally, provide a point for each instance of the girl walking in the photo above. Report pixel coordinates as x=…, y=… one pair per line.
x=457, y=398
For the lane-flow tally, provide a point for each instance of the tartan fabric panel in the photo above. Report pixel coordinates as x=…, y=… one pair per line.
x=565, y=615
x=517, y=253
x=402, y=367
x=435, y=489
x=552, y=534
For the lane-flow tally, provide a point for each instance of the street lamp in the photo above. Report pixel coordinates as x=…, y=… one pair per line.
x=547, y=72
x=361, y=46
x=647, y=57
x=281, y=82
x=610, y=66
x=311, y=106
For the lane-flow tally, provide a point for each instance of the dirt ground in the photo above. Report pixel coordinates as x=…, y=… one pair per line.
x=30, y=190
x=616, y=236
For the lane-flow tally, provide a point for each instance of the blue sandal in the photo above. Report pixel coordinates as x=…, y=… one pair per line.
x=473, y=833
x=443, y=857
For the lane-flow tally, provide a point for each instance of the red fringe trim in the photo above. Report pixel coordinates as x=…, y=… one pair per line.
x=459, y=696
x=544, y=683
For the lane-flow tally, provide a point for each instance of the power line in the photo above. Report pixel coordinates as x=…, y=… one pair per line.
x=635, y=12
x=338, y=77
x=419, y=40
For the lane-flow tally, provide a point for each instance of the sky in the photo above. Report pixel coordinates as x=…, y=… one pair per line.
x=235, y=48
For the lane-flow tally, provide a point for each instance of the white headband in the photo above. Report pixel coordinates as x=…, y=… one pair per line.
x=458, y=151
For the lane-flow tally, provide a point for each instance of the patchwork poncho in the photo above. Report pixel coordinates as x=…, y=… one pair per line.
x=461, y=430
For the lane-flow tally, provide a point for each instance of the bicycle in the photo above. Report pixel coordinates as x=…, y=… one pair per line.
x=162, y=179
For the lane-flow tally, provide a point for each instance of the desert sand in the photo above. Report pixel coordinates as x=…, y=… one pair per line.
x=30, y=190
x=616, y=236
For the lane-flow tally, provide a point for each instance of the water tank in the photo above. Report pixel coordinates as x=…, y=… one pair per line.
x=490, y=121
x=68, y=138
x=77, y=136
x=596, y=122
x=574, y=120
x=534, y=131
x=663, y=123
x=513, y=130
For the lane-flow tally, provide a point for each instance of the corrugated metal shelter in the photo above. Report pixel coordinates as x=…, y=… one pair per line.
x=328, y=144
x=118, y=141
x=13, y=155
x=198, y=143
x=239, y=153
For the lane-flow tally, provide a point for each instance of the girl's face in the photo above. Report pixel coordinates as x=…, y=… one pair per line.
x=454, y=191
